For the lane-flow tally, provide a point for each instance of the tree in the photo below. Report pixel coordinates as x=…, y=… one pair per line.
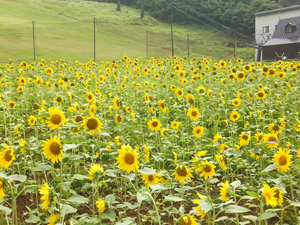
x=142, y=9
x=118, y=6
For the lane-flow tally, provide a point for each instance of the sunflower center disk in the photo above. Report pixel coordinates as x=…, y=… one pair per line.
x=150, y=177
x=194, y=113
x=154, y=124
x=55, y=148
x=245, y=137
x=260, y=95
x=181, y=171
x=56, y=119
x=129, y=159
x=7, y=156
x=78, y=119
x=92, y=124
x=272, y=139
x=282, y=160
x=207, y=168
x=275, y=127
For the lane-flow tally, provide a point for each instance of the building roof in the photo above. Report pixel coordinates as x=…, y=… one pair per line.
x=278, y=10
x=280, y=37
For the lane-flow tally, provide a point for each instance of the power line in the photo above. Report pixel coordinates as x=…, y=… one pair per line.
x=206, y=17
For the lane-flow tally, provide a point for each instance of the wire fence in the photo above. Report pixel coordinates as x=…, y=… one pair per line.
x=102, y=40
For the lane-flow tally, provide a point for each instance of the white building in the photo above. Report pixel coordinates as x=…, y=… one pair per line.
x=266, y=22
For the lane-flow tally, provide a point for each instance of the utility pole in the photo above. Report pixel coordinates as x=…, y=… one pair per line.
x=234, y=44
x=33, y=40
x=172, y=33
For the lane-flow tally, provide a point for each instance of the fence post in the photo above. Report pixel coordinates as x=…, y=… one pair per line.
x=94, y=39
x=188, y=45
x=33, y=40
x=172, y=33
x=147, y=44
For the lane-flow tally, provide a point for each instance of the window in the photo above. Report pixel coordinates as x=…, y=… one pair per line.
x=266, y=29
x=290, y=28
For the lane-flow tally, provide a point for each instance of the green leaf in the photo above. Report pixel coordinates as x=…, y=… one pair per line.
x=254, y=194
x=222, y=218
x=78, y=199
x=251, y=217
x=270, y=168
x=141, y=197
x=236, y=183
x=205, y=206
x=158, y=187
x=33, y=219
x=67, y=147
x=147, y=171
x=41, y=168
x=267, y=215
x=79, y=177
x=17, y=177
x=67, y=209
x=236, y=209
x=111, y=215
x=5, y=209
x=172, y=198
x=297, y=204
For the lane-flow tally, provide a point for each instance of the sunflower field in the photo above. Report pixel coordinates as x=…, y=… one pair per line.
x=150, y=141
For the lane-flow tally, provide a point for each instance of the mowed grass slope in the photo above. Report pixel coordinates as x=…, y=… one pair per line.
x=65, y=29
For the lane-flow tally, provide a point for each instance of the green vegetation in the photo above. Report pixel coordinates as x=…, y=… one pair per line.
x=64, y=29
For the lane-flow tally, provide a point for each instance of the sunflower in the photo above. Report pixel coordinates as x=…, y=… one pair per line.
x=190, y=98
x=162, y=106
x=175, y=124
x=221, y=161
x=118, y=119
x=128, y=159
x=78, y=119
x=45, y=192
x=207, y=170
x=93, y=124
x=278, y=195
x=274, y=128
x=222, y=64
x=240, y=76
x=187, y=220
x=259, y=136
x=57, y=118
x=89, y=96
x=95, y=170
x=198, y=208
x=223, y=191
x=217, y=137
x=11, y=105
x=1, y=188
x=236, y=102
x=31, y=120
x=234, y=116
x=198, y=131
x=150, y=179
x=271, y=140
x=181, y=173
x=193, y=113
x=154, y=125
x=101, y=205
x=244, y=139
x=20, y=89
x=117, y=103
x=179, y=93
x=49, y=71
x=269, y=194
x=223, y=147
x=53, y=218
x=52, y=149
x=283, y=160
x=7, y=156
x=261, y=95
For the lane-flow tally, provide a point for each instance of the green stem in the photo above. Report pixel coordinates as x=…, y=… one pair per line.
x=293, y=199
x=154, y=205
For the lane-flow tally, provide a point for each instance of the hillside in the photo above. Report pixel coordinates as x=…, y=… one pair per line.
x=65, y=29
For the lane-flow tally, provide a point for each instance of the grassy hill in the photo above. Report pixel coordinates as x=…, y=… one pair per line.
x=65, y=29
